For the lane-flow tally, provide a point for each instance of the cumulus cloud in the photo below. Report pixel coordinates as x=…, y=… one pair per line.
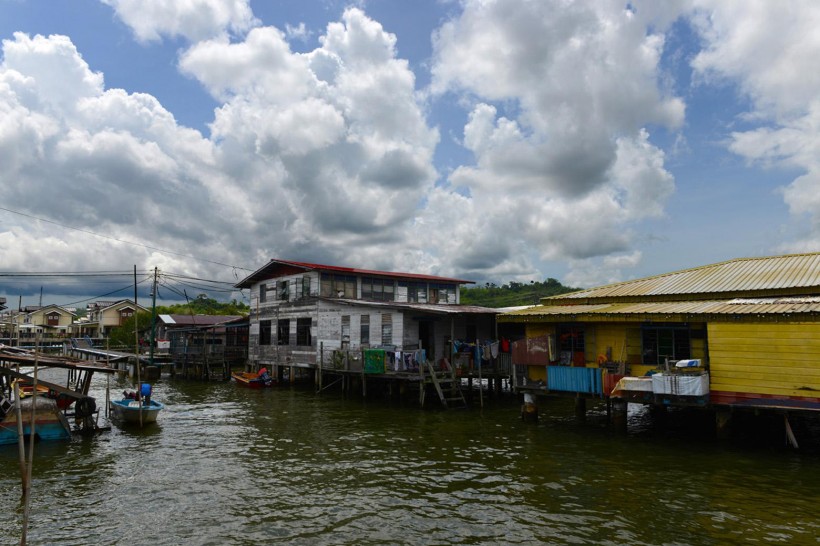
x=327, y=155
x=563, y=97
x=770, y=51
x=97, y=160
x=323, y=155
x=193, y=20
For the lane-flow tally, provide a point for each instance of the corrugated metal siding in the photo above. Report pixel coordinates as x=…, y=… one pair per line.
x=570, y=379
x=741, y=275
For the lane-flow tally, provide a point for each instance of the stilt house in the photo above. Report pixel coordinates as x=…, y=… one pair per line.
x=738, y=334
x=309, y=315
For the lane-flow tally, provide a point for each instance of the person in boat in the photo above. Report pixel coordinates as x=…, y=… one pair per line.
x=264, y=376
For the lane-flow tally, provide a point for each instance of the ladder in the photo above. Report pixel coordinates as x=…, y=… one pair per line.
x=446, y=384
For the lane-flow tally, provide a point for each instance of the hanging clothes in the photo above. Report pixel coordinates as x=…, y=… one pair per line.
x=374, y=360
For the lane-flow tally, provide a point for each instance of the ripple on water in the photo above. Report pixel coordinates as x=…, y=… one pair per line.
x=230, y=466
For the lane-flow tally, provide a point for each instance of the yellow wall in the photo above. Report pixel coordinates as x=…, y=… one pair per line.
x=624, y=340
x=775, y=359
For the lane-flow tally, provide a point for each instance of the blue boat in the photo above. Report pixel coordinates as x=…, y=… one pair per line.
x=49, y=421
x=136, y=407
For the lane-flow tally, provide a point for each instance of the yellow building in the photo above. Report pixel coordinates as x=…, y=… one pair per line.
x=50, y=321
x=745, y=332
x=104, y=316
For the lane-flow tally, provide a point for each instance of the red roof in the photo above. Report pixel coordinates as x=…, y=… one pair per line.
x=267, y=271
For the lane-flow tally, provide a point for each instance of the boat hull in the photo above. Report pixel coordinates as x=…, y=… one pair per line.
x=49, y=422
x=251, y=380
x=127, y=410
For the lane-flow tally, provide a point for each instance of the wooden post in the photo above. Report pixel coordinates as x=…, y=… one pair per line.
x=619, y=414
x=21, y=441
x=580, y=408
x=529, y=410
x=790, y=438
x=480, y=382
x=723, y=420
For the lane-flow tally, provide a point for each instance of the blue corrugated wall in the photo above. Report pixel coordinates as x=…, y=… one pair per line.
x=569, y=379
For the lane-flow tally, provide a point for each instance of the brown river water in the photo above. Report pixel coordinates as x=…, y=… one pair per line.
x=226, y=466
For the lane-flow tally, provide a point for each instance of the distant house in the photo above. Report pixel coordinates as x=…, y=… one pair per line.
x=302, y=312
x=738, y=334
x=103, y=316
x=50, y=321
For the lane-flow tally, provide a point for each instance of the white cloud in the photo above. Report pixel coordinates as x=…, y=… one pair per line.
x=102, y=161
x=298, y=32
x=770, y=51
x=194, y=20
x=563, y=93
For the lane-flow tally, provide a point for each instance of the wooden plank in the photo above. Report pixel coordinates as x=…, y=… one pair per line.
x=52, y=386
x=774, y=390
x=765, y=371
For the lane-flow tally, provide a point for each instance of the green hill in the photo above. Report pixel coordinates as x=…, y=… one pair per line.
x=513, y=293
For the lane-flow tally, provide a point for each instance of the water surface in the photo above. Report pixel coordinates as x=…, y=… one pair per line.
x=225, y=466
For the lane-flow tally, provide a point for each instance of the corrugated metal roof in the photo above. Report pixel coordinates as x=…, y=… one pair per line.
x=775, y=275
x=439, y=308
x=198, y=320
x=737, y=306
x=268, y=269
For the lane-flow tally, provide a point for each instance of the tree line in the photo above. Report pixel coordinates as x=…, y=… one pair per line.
x=513, y=294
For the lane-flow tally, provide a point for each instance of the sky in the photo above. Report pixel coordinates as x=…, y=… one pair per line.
x=490, y=140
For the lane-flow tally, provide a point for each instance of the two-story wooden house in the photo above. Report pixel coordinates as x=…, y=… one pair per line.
x=301, y=313
x=103, y=316
x=49, y=321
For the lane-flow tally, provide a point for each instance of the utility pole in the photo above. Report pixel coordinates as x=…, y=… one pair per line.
x=153, y=318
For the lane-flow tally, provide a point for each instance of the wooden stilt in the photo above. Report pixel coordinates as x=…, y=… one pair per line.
x=529, y=410
x=723, y=420
x=792, y=440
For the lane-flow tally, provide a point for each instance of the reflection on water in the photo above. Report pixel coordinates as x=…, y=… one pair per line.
x=232, y=466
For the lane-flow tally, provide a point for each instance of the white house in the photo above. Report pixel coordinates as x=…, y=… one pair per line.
x=302, y=312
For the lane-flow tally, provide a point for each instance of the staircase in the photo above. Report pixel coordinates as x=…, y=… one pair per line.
x=446, y=384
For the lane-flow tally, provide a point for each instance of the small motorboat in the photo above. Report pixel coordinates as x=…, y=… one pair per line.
x=259, y=380
x=135, y=407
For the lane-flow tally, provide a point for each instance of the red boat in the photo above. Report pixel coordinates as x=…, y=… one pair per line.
x=259, y=380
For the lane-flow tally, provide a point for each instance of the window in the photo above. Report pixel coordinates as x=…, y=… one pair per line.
x=345, y=331
x=416, y=291
x=264, y=332
x=387, y=329
x=263, y=293
x=303, y=287
x=365, y=329
x=661, y=342
x=303, y=331
x=378, y=289
x=283, y=332
x=570, y=341
x=53, y=319
x=338, y=286
x=442, y=293
x=125, y=313
x=282, y=291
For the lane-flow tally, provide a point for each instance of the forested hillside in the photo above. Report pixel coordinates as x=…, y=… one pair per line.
x=513, y=293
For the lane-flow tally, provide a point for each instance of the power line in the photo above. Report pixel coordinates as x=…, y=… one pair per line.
x=162, y=250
